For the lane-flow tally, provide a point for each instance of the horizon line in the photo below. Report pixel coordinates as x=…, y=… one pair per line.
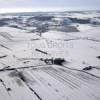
x=28, y=10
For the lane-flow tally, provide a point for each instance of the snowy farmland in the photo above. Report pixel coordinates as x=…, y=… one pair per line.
x=50, y=56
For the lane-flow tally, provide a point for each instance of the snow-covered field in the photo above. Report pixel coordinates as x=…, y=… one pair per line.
x=28, y=44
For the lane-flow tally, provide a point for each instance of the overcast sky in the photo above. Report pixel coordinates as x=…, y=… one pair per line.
x=28, y=5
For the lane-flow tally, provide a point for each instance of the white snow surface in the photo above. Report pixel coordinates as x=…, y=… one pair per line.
x=23, y=76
